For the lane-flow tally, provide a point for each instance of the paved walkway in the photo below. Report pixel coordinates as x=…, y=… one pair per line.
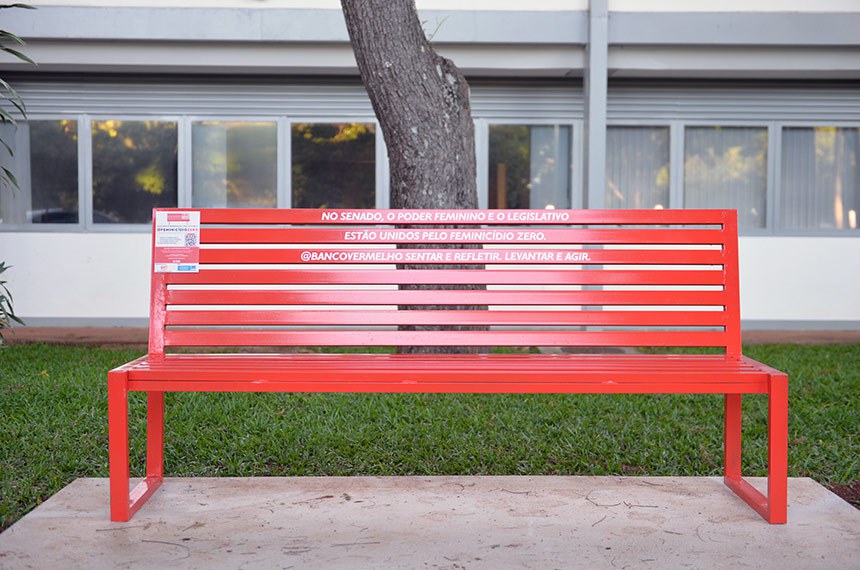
x=435, y=522
x=134, y=335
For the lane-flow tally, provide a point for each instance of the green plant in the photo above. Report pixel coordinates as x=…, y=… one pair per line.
x=7, y=312
x=7, y=178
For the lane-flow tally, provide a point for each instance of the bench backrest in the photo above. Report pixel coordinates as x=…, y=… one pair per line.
x=280, y=277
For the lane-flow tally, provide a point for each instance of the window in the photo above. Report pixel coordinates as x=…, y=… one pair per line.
x=48, y=192
x=637, y=167
x=529, y=166
x=820, y=181
x=134, y=169
x=234, y=164
x=726, y=167
x=333, y=165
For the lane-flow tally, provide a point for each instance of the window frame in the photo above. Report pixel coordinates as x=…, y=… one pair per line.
x=482, y=154
x=21, y=164
x=770, y=165
x=382, y=198
x=186, y=184
x=773, y=197
x=677, y=154
x=675, y=179
x=777, y=177
x=181, y=144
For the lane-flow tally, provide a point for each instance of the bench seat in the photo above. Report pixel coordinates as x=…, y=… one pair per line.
x=481, y=373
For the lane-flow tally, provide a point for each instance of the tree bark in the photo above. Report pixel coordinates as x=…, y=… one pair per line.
x=422, y=103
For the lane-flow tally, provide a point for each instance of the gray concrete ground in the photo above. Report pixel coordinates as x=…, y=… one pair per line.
x=435, y=522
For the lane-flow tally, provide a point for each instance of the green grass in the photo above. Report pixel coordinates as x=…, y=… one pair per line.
x=54, y=428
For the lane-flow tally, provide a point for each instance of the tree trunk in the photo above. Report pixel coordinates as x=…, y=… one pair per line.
x=422, y=103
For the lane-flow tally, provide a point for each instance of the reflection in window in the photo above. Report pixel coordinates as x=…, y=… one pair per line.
x=134, y=170
x=49, y=195
x=820, y=183
x=726, y=167
x=334, y=165
x=529, y=166
x=234, y=164
x=637, y=167
x=54, y=171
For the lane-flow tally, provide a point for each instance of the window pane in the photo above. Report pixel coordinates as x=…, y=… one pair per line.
x=134, y=170
x=637, y=167
x=54, y=171
x=820, y=178
x=234, y=164
x=12, y=211
x=334, y=165
x=529, y=166
x=50, y=193
x=726, y=167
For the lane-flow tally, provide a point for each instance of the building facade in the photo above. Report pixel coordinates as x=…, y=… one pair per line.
x=746, y=104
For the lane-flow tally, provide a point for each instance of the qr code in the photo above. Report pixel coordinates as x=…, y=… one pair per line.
x=190, y=240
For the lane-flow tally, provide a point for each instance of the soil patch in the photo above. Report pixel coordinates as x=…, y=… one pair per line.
x=849, y=492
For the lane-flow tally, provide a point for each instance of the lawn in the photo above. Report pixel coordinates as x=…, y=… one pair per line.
x=54, y=408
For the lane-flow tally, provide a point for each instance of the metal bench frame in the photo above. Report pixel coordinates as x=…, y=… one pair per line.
x=566, y=278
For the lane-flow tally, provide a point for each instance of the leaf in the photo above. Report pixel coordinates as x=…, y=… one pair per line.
x=13, y=37
x=9, y=88
x=8, y=148
x=5, y=117
x=10, y=176
x=18, y=54
x=14, y=98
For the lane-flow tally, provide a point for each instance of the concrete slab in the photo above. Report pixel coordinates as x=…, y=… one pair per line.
x=435, y=522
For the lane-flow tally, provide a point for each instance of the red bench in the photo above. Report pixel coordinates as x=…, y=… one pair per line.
x=548, y=278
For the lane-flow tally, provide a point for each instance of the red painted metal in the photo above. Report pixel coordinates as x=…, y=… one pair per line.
x=466, y=236
x=543, y=277
x=538, y=278
x=346, y=317
x=570, y=299
x=496, y=256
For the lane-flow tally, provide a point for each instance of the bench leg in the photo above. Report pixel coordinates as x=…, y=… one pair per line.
x=772, y=507
x=733, y=421
x=777, y=449
x=155, y=434
x=118, y=446
x=123, y=504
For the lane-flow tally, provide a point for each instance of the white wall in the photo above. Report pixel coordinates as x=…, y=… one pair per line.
x=62, y=276
x=800, y=278
x=88, y=276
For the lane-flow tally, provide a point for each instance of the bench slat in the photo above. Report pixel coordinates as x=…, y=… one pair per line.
x=440, y=256
x=494, y=235
x=371, y=386
x=444, y=297
x=266, y=216
x=271, y=317
x=447, y=277
x=215, y=338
